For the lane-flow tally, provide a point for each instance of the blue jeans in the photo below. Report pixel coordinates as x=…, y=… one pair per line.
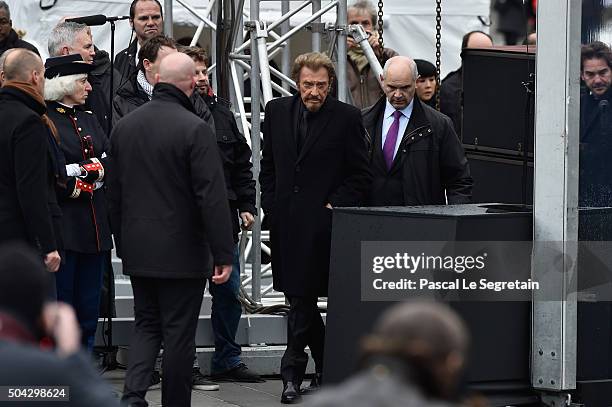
x=79, y=281
x=226, y=311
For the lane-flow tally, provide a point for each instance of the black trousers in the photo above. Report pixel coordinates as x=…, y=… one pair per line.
x=304, y=328
x=165, y=310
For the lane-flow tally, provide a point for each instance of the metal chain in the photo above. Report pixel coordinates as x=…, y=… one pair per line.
x=380, y=25
x=438, y=49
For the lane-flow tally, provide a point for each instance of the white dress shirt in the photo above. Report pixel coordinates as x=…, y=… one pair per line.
x=403, y=123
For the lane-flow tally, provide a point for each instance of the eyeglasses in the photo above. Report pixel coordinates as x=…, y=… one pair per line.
x=311, y=85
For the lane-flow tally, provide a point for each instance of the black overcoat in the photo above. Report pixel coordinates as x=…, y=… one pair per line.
x=28, y=205
x=332, y=167
x=85, y=223
x=166, y=190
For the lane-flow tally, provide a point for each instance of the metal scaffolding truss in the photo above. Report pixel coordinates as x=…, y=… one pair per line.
x=254, y=44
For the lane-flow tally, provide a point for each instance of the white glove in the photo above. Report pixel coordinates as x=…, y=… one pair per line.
x=73, y=170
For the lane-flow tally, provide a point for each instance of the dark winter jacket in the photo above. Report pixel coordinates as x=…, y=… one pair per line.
x=28, y=204
x=235, y=157
x=125, y=62
x=13, y=41
x=451, y=99
x=99, y=101
x=167, y=194
x=430, y=164
x=129, y=97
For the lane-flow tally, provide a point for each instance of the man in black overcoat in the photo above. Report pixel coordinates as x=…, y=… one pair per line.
x=416, y=157
x=596, y=126
x=28, y=205
x=170, y=216
x=314, y=159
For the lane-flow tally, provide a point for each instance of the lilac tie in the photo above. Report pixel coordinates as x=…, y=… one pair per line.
x=389, y=147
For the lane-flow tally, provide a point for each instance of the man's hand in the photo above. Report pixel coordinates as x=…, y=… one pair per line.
x=329, y=206
x=247, y=220
x=373, y=40
x=60, y=323
x=221, y=274
x=52, y=261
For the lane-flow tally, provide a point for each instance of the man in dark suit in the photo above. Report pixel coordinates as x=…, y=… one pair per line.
x=314, y=159
x=28, y=207
x=170, y=215
x=415, y=154
x=147, y=21
x=596, y=125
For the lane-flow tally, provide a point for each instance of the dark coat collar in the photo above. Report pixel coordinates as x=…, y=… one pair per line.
x=170, y=93
x=25, y=99
x=58, y=107
x=417, y=119
x=317, y=123
x=10, y=40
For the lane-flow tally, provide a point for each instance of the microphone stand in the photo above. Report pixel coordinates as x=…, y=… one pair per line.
x=109, y=361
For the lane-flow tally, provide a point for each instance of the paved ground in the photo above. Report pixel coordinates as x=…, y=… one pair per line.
x=229, y=395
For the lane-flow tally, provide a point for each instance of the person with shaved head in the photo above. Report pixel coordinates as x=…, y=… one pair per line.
x=170, y=215
x=415, y=155
x=28, y=165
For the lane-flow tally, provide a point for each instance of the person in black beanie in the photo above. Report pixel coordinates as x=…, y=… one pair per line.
x=426, y=82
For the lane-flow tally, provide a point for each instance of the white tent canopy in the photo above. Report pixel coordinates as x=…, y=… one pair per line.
x=409, y=24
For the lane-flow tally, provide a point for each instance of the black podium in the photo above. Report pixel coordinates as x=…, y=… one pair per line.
x=499, y=360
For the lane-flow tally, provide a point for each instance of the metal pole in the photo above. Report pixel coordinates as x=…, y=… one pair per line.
x=198, y=33
x=297, y=28
x=213, y=49
x=261, y=34
x=341, y=20
x=168, y=17
x=272, y=70
x=316, y=34
x=361, y=38
x=256, y=148
x=203, y=17
x=555, y=196
x=275, y=24
x=286, y=57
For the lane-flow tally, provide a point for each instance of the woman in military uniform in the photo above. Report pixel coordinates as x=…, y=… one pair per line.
x=87, y=236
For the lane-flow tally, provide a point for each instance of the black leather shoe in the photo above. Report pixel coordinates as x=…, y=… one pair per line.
x=315, y=384
x=291, y=394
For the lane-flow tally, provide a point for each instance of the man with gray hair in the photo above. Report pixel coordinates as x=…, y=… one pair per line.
x=363, y=85
x=74, y=38
x=415, y=155
x=8, y=36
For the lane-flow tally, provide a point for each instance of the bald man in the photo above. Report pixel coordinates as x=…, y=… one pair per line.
x=451, y=88
x=415, y=155
x=170, y=215
x=28, y=206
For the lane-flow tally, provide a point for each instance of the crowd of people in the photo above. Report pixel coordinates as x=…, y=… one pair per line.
x=164, y=170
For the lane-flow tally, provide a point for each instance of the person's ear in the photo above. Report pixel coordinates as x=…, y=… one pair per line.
x=65, y=51
x=146, y=64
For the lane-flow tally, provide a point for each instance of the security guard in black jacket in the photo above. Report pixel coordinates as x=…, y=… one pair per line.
x=236, y=159
x=85, y=224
